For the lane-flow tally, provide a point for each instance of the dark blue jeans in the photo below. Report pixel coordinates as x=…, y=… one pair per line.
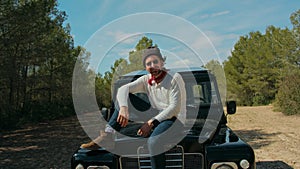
x=158, y=138
x=163, y=135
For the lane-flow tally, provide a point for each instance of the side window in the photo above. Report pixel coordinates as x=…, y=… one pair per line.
x=204, y=92
x=201, y=93
x=214, y=97
x=197, y=93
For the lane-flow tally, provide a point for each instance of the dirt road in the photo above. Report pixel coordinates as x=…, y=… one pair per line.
x=274, y=137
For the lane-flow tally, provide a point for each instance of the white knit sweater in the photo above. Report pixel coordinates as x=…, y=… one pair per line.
x=169, y=96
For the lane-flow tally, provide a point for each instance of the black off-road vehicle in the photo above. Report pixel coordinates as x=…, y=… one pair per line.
x=208, y=143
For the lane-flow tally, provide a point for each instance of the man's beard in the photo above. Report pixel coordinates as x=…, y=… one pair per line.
x=157, y=75
x=155, y=72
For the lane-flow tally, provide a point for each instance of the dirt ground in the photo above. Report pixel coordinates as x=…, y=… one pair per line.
x=46, y=145
x=274, y=137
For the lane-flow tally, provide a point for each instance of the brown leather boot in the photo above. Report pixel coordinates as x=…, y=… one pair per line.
x=105, y=140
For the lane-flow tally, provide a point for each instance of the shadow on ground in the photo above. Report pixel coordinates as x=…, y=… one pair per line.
x=46, y=145
x=272, y=165
x=256, y=138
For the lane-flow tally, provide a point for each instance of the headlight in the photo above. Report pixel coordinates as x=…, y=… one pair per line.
x=224, y=165
x=98, y=167
x=244, y=164
x=79, y=166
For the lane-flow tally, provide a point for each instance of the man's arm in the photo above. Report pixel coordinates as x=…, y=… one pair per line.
x=122, y=98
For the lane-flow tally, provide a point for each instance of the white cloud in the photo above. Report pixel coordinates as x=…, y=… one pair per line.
x=124, y=52
x=220, y=13
x=122, y=36
x=190, y=13
x=219, y=39
x=212, y=15
x=204, y=16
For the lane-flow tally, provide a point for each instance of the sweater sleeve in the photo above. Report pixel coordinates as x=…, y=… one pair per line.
x=133, y=87
x=175, y=100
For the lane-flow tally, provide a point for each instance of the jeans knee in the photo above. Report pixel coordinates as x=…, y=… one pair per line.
x=151, y=142
x=154, y=145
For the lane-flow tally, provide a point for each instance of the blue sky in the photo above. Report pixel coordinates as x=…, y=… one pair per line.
x=111, y=28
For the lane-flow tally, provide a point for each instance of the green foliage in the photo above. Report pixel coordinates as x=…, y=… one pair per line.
x=288, y=97
x=37, y=58
x=295, y=20
x=265, y=67
x=217, y=69
x=257, y=65
x=104, y=84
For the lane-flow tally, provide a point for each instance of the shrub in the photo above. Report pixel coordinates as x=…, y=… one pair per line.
x=288, y=96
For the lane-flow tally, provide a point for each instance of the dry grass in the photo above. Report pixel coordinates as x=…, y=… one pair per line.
x=274, y=136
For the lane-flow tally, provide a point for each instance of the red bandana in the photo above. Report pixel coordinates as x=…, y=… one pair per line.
x=157, y=79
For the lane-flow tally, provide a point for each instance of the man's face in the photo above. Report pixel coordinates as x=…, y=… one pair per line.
x=153, y=64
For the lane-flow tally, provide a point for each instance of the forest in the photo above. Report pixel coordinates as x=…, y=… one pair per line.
x=37, y=58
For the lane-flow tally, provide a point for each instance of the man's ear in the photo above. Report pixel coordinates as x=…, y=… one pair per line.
x=162, y=63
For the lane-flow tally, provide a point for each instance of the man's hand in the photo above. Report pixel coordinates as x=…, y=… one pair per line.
x=123, y=116
x=145, y=129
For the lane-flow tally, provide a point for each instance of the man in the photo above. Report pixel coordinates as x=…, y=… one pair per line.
x=166, y=94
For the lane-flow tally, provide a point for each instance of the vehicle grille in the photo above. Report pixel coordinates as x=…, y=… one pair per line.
x=128, y=162
x=193, y=161
x=175, y=160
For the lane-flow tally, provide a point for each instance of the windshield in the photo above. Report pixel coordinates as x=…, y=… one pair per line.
x=201, y=93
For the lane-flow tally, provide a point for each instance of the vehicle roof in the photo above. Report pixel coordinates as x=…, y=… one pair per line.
x=179, y=70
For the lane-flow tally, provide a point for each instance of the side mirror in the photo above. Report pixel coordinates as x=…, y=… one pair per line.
x=231, y=107
x=105, y=113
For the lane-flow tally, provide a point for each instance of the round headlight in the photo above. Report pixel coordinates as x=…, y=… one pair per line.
x=244, y=164
x=79, y=166
x=98, y=167
x=224, y=166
